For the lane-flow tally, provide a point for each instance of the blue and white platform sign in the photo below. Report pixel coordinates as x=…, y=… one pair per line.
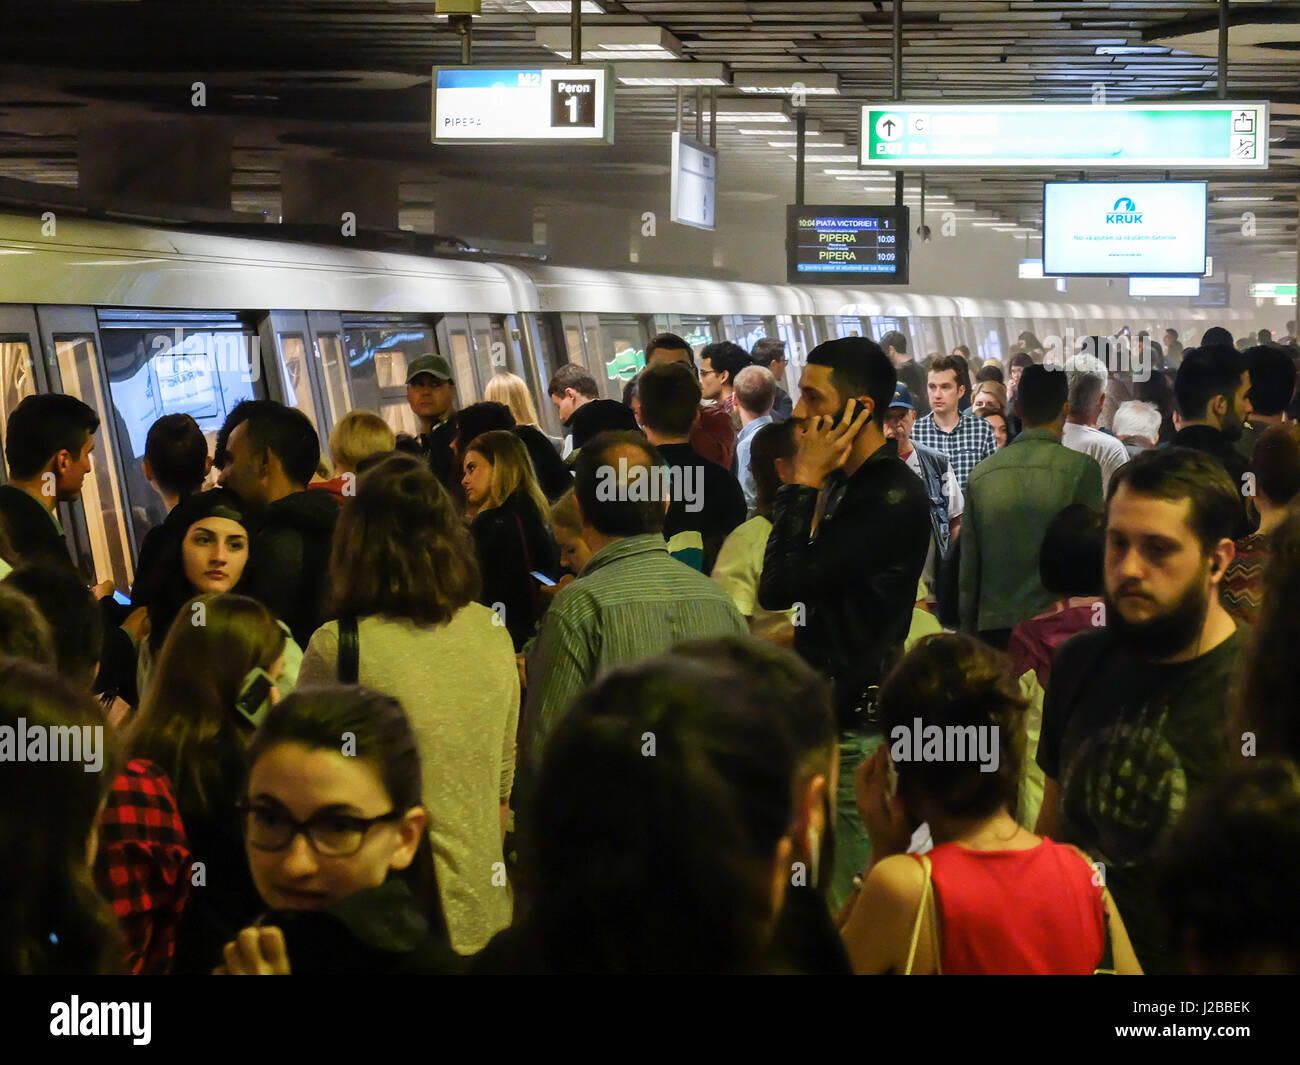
x=523, y=105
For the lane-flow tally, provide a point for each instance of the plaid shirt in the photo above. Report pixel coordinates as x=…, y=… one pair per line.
x=143, y=865
x=970, y=442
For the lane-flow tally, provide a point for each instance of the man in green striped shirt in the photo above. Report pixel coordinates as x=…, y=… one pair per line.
x=632, y=600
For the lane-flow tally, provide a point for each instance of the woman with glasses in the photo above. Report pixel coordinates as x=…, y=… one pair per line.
x=338, y=843
x=404, y=581
x=215, y=678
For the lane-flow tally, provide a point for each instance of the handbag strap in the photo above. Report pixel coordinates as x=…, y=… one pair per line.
x=349, y=665
x=920, y=917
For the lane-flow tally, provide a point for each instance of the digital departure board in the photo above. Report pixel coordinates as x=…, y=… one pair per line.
x=517, y=105
x=847, y=245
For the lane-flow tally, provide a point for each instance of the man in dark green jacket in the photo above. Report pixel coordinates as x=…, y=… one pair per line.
x=1012, y=497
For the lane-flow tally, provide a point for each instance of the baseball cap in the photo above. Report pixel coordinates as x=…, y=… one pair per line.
x=435, y=365
x=902, y=398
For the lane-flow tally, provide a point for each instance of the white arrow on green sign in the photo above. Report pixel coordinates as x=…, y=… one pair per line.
x=1270, y=292
x=1218, y=135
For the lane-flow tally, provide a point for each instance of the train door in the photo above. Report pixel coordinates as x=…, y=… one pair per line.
x=98, y=525
x=747, y=329
x=200, y=363
x=294, y=378
x=19, y=346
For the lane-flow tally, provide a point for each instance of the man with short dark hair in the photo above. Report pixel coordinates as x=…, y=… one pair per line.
x=965, y=439
x=707, y=502
x=48, y=443
x=848, y=543
x=73, y=616
x=1011, y=500
x=909, y=372
x=271, y=452
x=755, y=393
x=769, y=353
x=1272, y=387
x=1135, y=712
x=714, y=436
x=571, y=387
x=631, y=600
x=1212, y=390
x=719, y=365
x=1173, y=349
x=176, y=463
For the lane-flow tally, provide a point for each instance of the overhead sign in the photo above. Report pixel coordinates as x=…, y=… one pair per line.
x=694, y=187
x=847, y=245
x=1222, y=136
x=1030, y=269
x=1117, y=228
x=523, y=105
x=1272, y=292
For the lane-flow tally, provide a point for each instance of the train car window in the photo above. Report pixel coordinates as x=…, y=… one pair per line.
x=153, y=372
x=101, y=494
x=848, y=326
x=378, y=353
x=296, y=376
x=744, y=329
x=462, y=362
x=486, y=357
x=329, y=349
x=17, y=379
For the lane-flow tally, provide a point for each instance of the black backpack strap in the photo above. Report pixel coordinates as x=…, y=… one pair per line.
x=349, y=650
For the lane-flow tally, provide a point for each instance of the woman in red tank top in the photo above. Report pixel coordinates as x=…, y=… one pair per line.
x=991, y=897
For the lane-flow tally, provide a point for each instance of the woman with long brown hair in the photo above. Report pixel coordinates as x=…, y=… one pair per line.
x=404, y=581
x=511, y=535
x=214, y=679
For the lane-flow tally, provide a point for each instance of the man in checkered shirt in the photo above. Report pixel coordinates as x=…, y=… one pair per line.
x=958, y=434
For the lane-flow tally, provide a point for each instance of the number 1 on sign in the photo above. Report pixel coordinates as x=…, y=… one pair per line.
x=572, y=104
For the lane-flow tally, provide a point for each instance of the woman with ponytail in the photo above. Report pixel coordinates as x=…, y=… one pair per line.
x=404, y=580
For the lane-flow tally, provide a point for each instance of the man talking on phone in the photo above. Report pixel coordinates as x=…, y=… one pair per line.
x=848, y=543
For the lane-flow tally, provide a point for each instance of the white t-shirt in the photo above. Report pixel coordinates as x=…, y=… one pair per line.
x=1109, y=451
x=956, y=504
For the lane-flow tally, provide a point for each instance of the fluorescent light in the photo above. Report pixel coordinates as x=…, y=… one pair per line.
x=672, y=74
x=608, y=43
x=786, y=83
x=829, y=140
x=823, y=158
x=1131, y=49
x=1242, y=199
x=563, y=7
x=753, y=111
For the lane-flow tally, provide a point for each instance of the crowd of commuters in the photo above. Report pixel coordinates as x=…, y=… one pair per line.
x=672, y=691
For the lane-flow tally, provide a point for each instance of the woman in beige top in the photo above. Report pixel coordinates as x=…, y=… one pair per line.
x=403, y=565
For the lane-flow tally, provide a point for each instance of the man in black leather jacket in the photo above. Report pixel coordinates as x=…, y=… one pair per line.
x=848, y=543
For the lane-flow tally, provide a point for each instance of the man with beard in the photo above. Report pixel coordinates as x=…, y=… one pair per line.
x=1134, y=716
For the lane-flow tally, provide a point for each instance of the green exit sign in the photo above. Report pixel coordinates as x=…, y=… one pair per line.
x=1271, y=292
x=1222, y=136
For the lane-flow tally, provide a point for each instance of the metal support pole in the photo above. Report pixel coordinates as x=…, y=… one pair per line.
x=1223, y=49
x=699, y=114
x=713, y=118
x=464, y=27
x=898, y=86
x=679, y=108
x=801, y=139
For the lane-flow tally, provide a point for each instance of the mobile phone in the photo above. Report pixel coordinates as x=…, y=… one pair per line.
x=543, y=578
x=123, y=599
x=891, y=778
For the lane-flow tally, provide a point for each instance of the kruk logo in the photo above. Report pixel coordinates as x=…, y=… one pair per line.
x=1124, y=212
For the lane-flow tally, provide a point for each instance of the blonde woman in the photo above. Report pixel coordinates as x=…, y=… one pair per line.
x=510, y=389
x=356, y=436
x=511, y=536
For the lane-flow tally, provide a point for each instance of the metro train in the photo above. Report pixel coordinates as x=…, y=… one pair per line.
x=140, y=322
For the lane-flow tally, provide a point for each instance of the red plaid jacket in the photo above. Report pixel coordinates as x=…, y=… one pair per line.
x=143, y=865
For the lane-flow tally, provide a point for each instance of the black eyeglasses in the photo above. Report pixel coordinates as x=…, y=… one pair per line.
x=331, y=835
